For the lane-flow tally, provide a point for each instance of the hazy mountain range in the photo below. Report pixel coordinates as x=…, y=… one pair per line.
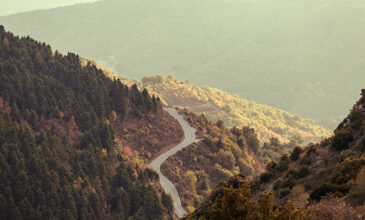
x=305, y=57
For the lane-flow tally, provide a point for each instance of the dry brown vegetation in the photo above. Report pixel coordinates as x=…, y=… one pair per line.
x=149, y=135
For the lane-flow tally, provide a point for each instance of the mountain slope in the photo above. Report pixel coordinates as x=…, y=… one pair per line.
x=267, y=121
x=218, y=153
x=294, y=55
x=217, y=105
x=335, y=166
x=63, y=134
x=323, y=181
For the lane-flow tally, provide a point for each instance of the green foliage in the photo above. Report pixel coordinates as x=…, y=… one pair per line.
x=302, y=172
x=306, y=160
x=294, y=156
x=357, y=193
x=283, y=163
x=347, y=170
x=233, y=200
x=361, y=145
x=288, y=182
x=226, y=159
x=339, y=180
x=166, y=201
x=57, y=146
x=222, y=173
x=265, y=177
x=342, y=138
x=327, y=188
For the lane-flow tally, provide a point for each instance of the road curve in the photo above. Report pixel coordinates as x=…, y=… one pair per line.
x=169, y=188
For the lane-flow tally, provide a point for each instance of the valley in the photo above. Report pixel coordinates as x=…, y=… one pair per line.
x=251, y=120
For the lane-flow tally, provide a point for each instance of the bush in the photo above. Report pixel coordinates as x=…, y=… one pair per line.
x=294, y=156
x=327, y=188
x=284, y=193
x=302, y=172
x=265, y=177
x=332, y=208
x=226, y=159
x=357, y=118
x=271, y=166
x=361, y=145
x=277, y=184
x=222, y=173
x=347, y=170
x=283, y=164
x=357, y=193
x=342, y=139
x=288, y=182
x=311, y=150
x=306, y=160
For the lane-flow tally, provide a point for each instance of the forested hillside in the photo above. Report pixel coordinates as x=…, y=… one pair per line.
x=61, y=156
x=217, y=105
x=322, y=181
x=334, y=166
x=218, y=154
x=268, y=122
x=294, y=55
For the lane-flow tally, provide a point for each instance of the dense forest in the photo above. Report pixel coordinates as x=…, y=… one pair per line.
x=321, y=181
x=58, y=154
x=293, y=55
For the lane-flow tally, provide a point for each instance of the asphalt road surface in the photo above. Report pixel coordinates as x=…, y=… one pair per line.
x=169, y=188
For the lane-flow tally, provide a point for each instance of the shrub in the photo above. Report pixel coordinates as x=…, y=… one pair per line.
x=361, y=145
x=311, y=150
x=265, y=177
x=362, y=128
x=294, y=156
x=277, y=184
x=357, y=118
x=347, y=170
x=222, y=173
x=288, y=182
x=302, y=172
x=357, y=193
x=226, y=159
x=284, y=193
x=332, y=208
x=327, y=188
x=271, y=166
x=298, y=196
x=306, y=160
x=283, y=164
x=342, y=138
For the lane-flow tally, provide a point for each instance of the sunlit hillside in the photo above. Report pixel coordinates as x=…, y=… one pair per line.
x=293, y=55
x=219, y=105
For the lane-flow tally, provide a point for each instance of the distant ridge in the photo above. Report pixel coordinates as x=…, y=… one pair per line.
x=293, y=55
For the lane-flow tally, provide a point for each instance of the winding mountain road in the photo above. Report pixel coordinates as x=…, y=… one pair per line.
x=169, y=188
